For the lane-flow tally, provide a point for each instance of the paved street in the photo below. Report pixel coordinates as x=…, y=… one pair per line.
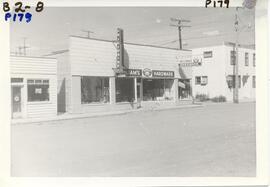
x=213, y=140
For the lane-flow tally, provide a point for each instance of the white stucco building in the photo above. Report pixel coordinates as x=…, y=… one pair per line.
x=214, y=75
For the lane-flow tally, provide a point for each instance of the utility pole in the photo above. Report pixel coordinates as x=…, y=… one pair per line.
x=179, y=26
x=236, y=79
x=88, y=33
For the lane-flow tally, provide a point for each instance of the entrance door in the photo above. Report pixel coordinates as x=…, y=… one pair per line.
x=184, y=89
x=16, y=101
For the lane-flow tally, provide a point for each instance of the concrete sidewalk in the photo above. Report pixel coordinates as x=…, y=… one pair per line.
x=67, y=116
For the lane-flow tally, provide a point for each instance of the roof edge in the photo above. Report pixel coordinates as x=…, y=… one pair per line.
x=130, y=43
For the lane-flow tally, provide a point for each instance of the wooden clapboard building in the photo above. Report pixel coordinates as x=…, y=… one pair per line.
x=33, y=87
x=101, y=75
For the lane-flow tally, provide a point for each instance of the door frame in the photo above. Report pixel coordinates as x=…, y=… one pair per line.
x=21, y=114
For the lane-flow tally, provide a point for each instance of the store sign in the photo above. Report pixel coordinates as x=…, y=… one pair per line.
x=157, y=73
x=188, y=61
x=147, y=72
x=120, y=49
x=194, y=62
x=133, y=72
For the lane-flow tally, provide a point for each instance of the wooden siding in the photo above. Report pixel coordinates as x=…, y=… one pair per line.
x=97, y=58
x=32, y=65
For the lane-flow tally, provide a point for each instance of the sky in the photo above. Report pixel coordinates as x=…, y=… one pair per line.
x=49, y=30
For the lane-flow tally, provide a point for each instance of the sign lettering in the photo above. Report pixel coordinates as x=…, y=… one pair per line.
x=157, y=73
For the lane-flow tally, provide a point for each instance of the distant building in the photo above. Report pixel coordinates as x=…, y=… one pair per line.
x=33, y=87
x=214, y=75
x=87, y=81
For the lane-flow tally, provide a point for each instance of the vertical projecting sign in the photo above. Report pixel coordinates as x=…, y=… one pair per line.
x=120, y=50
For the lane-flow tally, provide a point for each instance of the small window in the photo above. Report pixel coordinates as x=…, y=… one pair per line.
x=207, y=54
x=233, y=57
x=204, y=80
x=197, y=80
x=246, y=59
x=37, y=90
x=253, y=81
x=254, y=59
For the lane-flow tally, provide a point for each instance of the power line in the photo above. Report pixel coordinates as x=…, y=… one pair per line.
x=201, y=37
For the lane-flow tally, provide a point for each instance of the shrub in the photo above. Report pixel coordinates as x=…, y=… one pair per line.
x=219, y=99
x=202, y=97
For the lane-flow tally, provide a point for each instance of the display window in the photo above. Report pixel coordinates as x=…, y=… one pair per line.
x=157, y=89
x=95, y=90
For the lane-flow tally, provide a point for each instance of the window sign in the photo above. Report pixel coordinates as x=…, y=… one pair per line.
x=38, y=91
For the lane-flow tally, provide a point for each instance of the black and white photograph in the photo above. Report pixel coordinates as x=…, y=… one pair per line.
x=147, y=91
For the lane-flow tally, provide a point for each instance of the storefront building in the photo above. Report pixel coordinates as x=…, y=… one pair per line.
x=151, y=76
x=33, y=87
x=214, y=75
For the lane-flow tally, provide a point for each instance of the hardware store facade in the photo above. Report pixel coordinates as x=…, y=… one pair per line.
x=88, y=82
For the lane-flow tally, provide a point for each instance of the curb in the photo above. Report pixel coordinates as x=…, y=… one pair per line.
x=81, y=116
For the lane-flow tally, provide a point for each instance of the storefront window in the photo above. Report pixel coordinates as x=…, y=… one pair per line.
x=125, y=89
x=38, y=90
x=94, y=90
x=157, y=89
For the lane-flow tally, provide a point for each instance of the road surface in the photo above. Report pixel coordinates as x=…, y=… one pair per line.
x=213, y=141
